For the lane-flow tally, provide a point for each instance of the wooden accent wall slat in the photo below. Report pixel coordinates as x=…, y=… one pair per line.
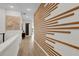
x=71, y=10
x=65, y=32
x=73, y=46
x=52, y=26
x=70, y=23
x=61, y=17
x=74, y=27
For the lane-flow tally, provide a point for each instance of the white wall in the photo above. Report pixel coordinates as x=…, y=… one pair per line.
x=2, y=21
x=12, y=32
x=12, y=37
x=2, y=24
x=11, y=46
x=1, y=38
x=12, y=13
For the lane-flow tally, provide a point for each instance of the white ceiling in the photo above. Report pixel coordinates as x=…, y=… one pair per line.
x=22, y=7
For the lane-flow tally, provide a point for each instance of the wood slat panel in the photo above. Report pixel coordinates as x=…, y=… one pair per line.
x=68, y=44
x=71, y=10
x=64, y=32
x=74, y=27
x=53, y=6
x=51, y=26
x=61, y=17
x=70, y=23
x=48, y=6
x=53, y=51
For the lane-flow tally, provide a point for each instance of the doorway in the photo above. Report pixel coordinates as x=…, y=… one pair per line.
x=27, y=28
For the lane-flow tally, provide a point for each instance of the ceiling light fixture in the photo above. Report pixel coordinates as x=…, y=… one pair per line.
x=11, y=6
x=28, y=9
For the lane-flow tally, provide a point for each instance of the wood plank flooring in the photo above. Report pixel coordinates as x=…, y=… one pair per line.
x=26, y=47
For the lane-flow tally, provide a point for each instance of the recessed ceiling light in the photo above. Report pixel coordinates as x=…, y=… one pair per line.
x=11, y=6
x=28, y=9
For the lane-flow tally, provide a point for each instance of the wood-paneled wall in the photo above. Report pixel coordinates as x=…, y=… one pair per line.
x=53, y=20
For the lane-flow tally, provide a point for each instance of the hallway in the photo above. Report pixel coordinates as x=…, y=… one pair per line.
x=48, y=29
x=26, y=47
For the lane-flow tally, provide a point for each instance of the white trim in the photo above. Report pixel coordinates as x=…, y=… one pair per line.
x=41, y=48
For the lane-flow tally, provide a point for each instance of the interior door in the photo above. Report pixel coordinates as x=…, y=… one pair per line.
x=27, y=28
